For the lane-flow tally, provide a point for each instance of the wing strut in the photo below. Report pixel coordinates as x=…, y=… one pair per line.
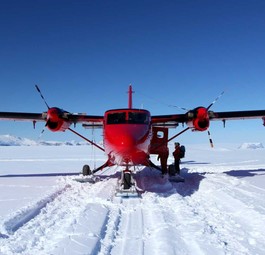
x=165, y=142
x=184, y=130
x=86, y=139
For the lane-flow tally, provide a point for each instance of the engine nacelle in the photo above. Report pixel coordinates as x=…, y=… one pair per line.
x=57, y=120
x=199, y=119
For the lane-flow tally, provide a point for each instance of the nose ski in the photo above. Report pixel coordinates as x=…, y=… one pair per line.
x=126, y=186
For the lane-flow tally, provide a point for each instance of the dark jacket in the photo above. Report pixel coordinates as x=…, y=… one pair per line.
x=177, y=153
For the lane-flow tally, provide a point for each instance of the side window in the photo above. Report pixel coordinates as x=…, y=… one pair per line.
x=160, y=134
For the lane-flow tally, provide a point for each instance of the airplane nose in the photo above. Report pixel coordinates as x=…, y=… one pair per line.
x=126, y=141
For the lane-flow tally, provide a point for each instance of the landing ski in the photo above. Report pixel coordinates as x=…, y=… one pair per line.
x=88, y=179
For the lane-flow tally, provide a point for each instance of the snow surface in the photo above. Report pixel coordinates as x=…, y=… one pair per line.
x=219, y=209
x=251, y=146
x=10, y=140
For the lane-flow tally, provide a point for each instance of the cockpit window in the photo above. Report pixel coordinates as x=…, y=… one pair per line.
x=138, y=118
x=116, y=118
x=128, y=118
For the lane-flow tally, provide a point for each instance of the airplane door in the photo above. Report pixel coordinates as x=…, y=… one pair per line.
x=159, y=140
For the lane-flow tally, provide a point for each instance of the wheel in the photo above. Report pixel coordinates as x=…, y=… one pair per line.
x=127, y=180
x=86, y=170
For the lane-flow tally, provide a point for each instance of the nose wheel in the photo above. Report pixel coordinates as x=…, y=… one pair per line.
x=127, y=179
x=126, y=185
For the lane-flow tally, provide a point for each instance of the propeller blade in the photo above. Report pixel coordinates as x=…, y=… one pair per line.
x=210, y=139
x=42, y=96
x=181, y=108
x=41, y=133
x=215, y=100
x=38, y=89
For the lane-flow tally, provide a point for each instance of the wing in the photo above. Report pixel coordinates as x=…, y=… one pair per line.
x=56, y=119
x=237, y=115
x=21, y=116
x=199, y=118
x=169, y=121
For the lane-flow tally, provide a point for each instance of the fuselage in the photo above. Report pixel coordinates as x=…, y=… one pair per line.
x=127, y=136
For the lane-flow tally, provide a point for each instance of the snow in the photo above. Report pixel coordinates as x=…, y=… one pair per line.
x=219, y=209
x=9, y=140
x=251, y=146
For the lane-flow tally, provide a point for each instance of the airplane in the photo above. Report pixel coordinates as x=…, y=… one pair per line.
x=131, y=135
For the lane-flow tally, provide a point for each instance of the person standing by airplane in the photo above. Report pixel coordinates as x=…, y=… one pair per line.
x=163, y=156
x=177, y=156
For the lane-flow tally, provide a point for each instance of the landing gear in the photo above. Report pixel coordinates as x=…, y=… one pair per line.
x=86, y=175
x=126, y=185
x=86, y=170
x=127, y=179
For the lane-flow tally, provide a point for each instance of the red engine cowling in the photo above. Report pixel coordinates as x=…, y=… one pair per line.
x=56, y=120
x=199, y=119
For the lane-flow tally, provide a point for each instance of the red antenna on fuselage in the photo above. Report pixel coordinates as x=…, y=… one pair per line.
x=130, y=97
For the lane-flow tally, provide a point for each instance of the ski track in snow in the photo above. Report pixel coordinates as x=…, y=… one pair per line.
x=171, y=219
x=213, y=212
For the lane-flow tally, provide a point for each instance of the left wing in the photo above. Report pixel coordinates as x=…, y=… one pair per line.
x=22, y=116
x=56, y=119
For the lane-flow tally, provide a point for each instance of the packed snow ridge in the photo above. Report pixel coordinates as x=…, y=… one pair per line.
x=10, y=140
x=251, y=146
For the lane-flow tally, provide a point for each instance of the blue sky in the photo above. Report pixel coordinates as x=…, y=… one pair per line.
x=84, y=54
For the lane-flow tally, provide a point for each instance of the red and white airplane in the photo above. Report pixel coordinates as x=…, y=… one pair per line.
x=131, y=134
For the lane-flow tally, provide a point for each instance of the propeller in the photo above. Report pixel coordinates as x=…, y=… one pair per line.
x=185, y=109
x=38, y=89
x=215, y=100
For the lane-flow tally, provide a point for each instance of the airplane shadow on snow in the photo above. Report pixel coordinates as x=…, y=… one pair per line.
x=150, y=180
x=38, y=175
x=191, y=184
x=245, y=173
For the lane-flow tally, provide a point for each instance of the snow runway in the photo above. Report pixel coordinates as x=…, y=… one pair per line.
x=220, y=209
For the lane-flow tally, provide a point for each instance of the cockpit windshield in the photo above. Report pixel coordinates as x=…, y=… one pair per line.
x=128, y=117
x=116, y=118
x=138, y=118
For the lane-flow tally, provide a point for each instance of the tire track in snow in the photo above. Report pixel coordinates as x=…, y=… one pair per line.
x=140, y=225
x=231, y=224
x=245, y=211
x=87, y=219
x=130, y=230
x=46, y=227
x=85, y=235
x=250, y=195
x=27, y=214
x=161, y=232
